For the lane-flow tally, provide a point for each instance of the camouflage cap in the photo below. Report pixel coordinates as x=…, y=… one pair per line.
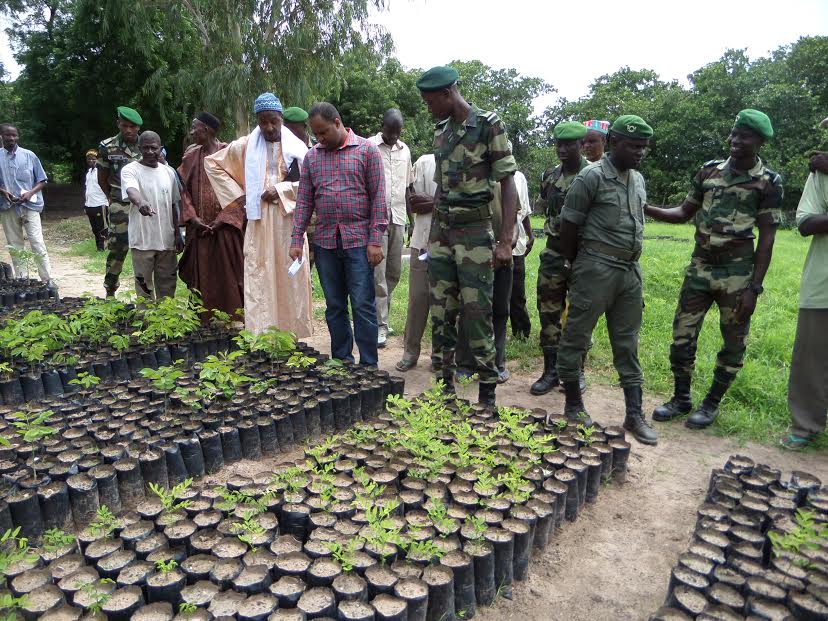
x=128, y=114
x=569, y=130
x=295, y=115
x=631, y=126
x=437, y=78
x=755, y=120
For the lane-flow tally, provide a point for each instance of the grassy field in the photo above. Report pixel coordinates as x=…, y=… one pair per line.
x=754, y=409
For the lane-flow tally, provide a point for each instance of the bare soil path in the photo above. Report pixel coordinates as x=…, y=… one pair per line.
x=615, y=560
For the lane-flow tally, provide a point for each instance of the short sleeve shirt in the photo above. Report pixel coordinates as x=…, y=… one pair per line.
x=554, y=187
x=113, y=155
x=20, y=171
x=399, y=174
x=813, y=293
x=471, y=158
x=732, y=202
x=607, y=208
x=423, y=184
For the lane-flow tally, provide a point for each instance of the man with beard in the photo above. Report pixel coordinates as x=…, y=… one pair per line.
x=213, y=259
x=602, y=231
x=258, y=173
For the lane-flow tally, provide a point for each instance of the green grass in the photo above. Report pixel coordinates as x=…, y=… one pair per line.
x=95, y=262
x=755, y=408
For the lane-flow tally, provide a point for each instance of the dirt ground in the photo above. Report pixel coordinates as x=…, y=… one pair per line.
x=615, y=560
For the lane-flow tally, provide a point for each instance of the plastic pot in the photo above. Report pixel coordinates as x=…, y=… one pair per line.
x=55, y=508
x=522, y=548
x=32, y=387
x=166, y=587
x=389, y=608
x=154, y=467
x=12, y=391
x=381, y=580
x=52, y=385
x=130, y=482
x=326, y=414
x=106, y=480
x=355, y=610
x=193, y=456
x=414, y=592
x=267, y=436
x=313, y=418
x=83, y=496
x=174, y=463
x=226, y=604
x=257, y=607
x=570, y=479
x=341, y=410
x=299, y=423
x=620, y=455
x=462, y=567
x=211, y=450
x=593, y=482
x=440, y=581
x=253, y=579
x=284, y=431
x=250, y=442
x=348, y=587
x=503, y=542
x=288, y=590
x=317, y=602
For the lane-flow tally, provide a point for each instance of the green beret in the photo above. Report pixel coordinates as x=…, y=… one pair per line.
x=128, y=114
x=631, y=126
x=569, y=130
x=295, y=115
x=437, y=78
x=755, y=120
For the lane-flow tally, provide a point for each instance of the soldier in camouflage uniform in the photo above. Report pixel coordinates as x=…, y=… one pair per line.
x=602, y=231
x=729, y=199
x=113, y=154
x=472, y=154
x=553, y=276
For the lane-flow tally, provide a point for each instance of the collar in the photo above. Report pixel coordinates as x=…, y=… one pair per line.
x=381, y=143
x=13, y=152
x=471, y=119
x=350, y=141
x=610, y=171
x=756, y=171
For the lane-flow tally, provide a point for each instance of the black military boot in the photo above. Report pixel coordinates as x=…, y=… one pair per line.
x=574, y=409
x=486, y=394
x=708, y=410
x=679, y=405
x=549, y=379
x=634, y=421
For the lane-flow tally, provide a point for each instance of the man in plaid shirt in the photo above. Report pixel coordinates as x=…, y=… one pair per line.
x=343, y=183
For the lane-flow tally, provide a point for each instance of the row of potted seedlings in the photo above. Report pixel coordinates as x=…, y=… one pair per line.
x=42, y=350
x=759, y=549
x=424, y=512
x=25, y=292
x=107, y=442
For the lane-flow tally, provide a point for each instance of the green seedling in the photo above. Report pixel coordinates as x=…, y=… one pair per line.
x=105, y=522
x=248, y=528
x=164, y=378
x=98, y=597
x=165, y=567
x=334, y=367
x=119, y=342
x=478, y=524
x=24, y=258
x=298, y=360
x=54, y=539
x=219, y=376
x=13, y=549
x=423, y=550
x=186, y=608
x=32, y=430
x=807, y=534
x=169, y=498
x=10, y=605
x=344, y=555
x=586, y=433
x=86, y=381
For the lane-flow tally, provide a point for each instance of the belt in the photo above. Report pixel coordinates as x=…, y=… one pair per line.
x=468, y=215
x=612, y=251
x=553, y=243
x=741, y=251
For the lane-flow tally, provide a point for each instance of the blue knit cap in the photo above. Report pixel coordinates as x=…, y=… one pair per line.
x=267, y=102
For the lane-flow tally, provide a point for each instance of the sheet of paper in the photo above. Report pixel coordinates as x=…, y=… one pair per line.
x=294, y=267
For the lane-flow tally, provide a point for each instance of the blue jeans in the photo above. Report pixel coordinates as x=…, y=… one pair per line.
x=344, y=274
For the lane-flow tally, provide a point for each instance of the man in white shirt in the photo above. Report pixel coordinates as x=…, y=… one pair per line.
x=154, y=236
x=95, y=203
x=399, y=175
x=518, y=313
x=419, y=292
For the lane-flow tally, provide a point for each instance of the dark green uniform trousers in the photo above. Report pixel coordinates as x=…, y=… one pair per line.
x=118, y=244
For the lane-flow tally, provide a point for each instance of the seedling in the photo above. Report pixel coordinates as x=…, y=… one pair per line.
x=334, y=367
x=32, y=430
x=807, y=533
x=13, y=549
x=298, y=360
x=105, y=522
x=186, y=608
x=344, y=555
x=423, y=550
x=248, y=528
x=9, y=605
x=169, y=498
x=164, y=378
x=219, y=376
x=165, y=567
x=478, y=525
x=86, y=381
x=586, y=433
x=119, y=342
x=23, y=257
x=98, y=596
x=54, y=539
x=6, y=370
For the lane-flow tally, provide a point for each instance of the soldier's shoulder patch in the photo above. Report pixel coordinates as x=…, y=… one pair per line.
x=772, y=176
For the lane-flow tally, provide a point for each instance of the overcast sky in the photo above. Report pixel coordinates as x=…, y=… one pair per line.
x=570, y=44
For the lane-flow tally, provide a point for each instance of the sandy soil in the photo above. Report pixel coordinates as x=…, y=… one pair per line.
x=615, y=560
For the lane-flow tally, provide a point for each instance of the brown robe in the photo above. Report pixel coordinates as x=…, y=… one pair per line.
x=212, y=264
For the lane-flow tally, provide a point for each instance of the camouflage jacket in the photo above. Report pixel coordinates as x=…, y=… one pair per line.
x=732, y=202
x=113, y=155
x=471, y=157
x=554, y=187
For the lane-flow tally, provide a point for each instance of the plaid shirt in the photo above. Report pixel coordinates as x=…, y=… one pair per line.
x=346, y=190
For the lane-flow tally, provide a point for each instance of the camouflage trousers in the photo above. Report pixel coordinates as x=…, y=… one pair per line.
x=461, y=273
x=117, y=244
x=553, y=283
x=706, y=283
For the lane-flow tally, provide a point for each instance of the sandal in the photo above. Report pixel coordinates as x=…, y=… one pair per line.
x=793, y=442
x=405, y=365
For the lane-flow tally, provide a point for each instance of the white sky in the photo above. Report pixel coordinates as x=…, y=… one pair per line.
x=600, y=36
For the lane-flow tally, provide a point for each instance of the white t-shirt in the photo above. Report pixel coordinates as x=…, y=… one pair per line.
x=95, y=196
x=524, y=209
x=423, y=184
x=159, y=187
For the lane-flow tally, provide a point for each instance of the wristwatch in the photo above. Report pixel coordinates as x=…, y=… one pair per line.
x=756, y=289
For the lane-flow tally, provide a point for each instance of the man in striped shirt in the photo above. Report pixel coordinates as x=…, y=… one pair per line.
x=344, y=185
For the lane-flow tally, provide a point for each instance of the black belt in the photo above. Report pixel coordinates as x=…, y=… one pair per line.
x=464, y=215
x=740, y=252
x=612, y=251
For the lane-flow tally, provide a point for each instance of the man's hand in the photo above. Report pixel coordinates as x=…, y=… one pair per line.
x=502, y=255
x=819, y=163
x=270, y=195
x=296, y=253
x=422, y=203
x=24, y=198
x=179, y=242
x=530, y=243
x=745, y=306
x=144, y=209
x=375, y=255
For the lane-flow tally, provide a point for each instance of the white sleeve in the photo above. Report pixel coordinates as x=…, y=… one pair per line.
x=525, y=205
x=128, y=180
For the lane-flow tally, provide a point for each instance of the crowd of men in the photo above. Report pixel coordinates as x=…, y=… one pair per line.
x=251, y=207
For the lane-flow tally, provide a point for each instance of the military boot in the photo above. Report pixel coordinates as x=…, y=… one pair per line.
x=549, y=379
x=486, y=394
x=574, y=409
x=634, y=421
x=448, y=384
x=707, y=412
x=679, y=405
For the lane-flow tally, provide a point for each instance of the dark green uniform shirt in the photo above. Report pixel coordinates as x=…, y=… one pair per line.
x=733, y=202
x=554, y=187
x=113, y=155
x=471, y=157
x=608, y=209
